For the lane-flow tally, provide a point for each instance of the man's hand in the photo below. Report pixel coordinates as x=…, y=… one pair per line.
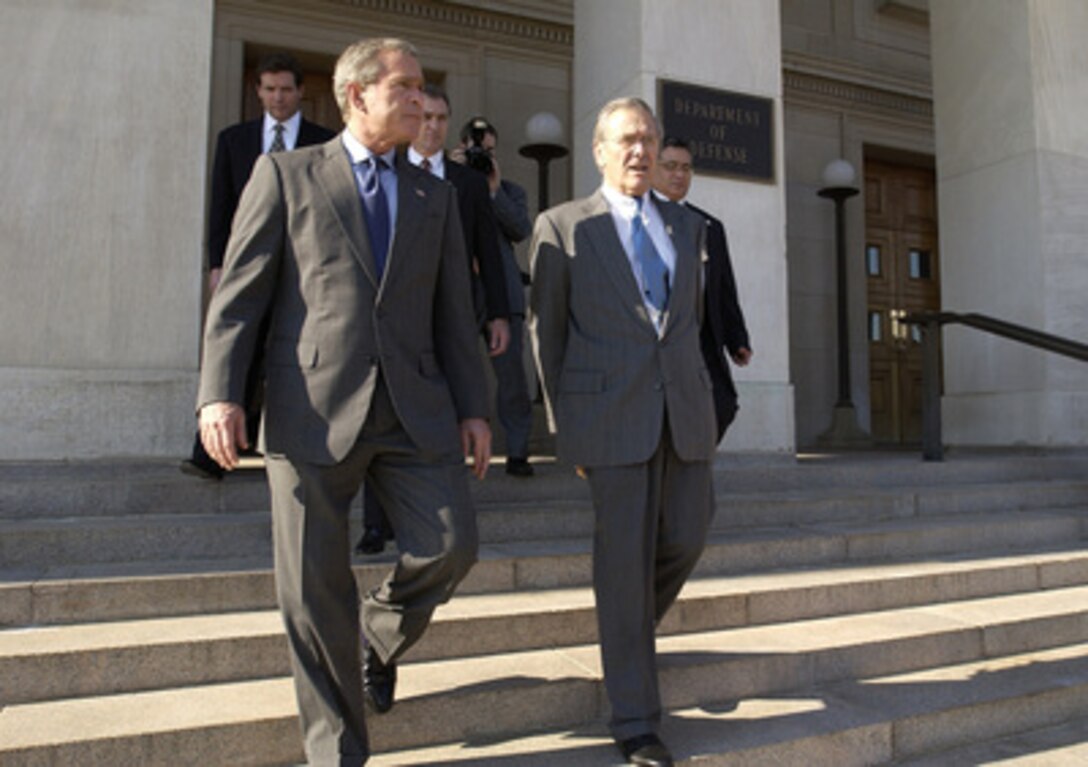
x=494, y=178
x=476, y=441
x=742, y=357
x=223, y=431
x=498, y=336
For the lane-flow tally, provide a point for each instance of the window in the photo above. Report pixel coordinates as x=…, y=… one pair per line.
x=876, y=328
x=920, y=265
x=872, y=260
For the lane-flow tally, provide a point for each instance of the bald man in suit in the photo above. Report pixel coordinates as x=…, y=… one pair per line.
x=615, y=317
x=357, y=259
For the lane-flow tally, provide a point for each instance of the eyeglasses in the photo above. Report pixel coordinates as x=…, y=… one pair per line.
x=672, y=166
x=648, y=140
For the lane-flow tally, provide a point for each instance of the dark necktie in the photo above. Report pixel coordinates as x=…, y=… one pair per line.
x=277, y=140
x=426, y=165
x=655, y=274
x=376, y=209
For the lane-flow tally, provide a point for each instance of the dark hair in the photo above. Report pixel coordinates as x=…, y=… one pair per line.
x=477, y=124
x=280, y=62
x=676, y=143
x=430, y=90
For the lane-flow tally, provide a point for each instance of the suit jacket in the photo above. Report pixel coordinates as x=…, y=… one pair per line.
x=481, y=240
x=512, y=215
x=609, y=376
x=300, y=252
x=723, y=326
x=236, y=150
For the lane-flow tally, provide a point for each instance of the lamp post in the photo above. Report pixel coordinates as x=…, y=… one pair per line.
x=544, y=132
x=838, y=178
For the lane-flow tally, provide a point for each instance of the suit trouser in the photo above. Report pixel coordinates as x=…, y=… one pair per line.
x=429, y=506
x=651, y=526
x=512, y=403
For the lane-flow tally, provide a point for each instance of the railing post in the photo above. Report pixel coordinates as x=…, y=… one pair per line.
x=932, y=447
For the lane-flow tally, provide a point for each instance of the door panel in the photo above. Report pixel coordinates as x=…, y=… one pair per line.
x=903, y=276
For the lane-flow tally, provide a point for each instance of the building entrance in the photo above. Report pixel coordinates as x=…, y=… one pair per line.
x=903, y=275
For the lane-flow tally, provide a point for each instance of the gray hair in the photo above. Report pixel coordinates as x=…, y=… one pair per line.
x=615, y=105
x=361, y=63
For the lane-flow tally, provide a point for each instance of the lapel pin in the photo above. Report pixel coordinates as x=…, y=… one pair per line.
x=668, y=229
x=420, y=192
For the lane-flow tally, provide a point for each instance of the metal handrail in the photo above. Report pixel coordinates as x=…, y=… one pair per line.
x=931, y=322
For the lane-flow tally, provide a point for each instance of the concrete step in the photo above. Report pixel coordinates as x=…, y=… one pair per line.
x=915, y=719
x=42, y=596
x=41, y=663
x=902, y=655
x=49, y=540
x=1061, y=745
x=112, y=488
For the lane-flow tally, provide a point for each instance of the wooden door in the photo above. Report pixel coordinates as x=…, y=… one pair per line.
x=903, y=275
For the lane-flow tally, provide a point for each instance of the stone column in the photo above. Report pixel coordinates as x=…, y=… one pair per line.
x=105, y=144
x=1009, y=86
x=621, y=48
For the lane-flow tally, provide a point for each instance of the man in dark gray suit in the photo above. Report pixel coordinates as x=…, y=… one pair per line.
x=615, y=316
x=358, y=260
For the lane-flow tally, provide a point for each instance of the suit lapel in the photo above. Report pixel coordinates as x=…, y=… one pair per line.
x=335, y=177
x=411, y=205
x=686, y=260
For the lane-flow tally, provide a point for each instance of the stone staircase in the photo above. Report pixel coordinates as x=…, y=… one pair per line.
x=849, y=610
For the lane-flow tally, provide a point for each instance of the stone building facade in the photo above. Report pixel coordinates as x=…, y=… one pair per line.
x=963, y=119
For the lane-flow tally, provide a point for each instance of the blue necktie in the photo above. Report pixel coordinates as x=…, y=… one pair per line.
x=655, y=274
x=376, y=209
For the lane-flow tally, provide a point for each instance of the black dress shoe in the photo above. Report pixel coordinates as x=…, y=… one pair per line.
x=379, y=681
x=646, y=750
x=519, y=467
x=372, y=541
x=204, y=470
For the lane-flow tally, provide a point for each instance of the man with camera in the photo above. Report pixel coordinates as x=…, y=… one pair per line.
x=479, y=140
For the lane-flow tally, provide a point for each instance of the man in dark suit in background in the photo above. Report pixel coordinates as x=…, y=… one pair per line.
x=280, y=128
x=374, y=371
x=723, y=325
x=479, y=141
x=484, y=262
x=615, y=318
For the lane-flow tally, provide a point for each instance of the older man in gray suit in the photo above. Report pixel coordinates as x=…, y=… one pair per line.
x=358, y=260
x=615, y=326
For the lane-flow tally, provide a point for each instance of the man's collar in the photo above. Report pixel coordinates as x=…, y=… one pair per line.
x=625, y=204
x=437, y=160
x=291, y=123
x=665, y=198
x=359, y=153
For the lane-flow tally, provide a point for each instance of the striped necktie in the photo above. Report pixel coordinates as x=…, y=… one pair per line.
x=375, y=208
x=277, y=140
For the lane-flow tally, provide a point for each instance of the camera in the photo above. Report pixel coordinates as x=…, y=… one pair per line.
x=476, y=156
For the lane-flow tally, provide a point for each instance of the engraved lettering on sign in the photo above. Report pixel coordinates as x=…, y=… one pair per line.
x=730, y=134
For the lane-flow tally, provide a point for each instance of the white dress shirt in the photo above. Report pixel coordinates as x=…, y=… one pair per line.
x=290, y=131
x=624, y=208
x=437, y=160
